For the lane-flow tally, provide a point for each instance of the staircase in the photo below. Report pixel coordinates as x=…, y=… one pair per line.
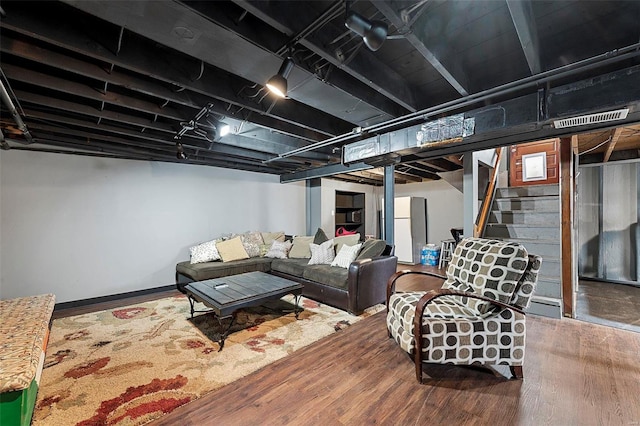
x=531, y=216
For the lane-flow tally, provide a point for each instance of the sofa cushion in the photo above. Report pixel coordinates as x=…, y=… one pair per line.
x=325, y=274
x=231, y=250
x=210, y=270
x=349, y=240
x=289, y=266
x=322, y=254
x=346, y=255
x=372, y=248
x=205, y=252
x=300, y=248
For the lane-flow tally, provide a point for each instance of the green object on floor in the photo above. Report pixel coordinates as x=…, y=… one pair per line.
x=16, y=408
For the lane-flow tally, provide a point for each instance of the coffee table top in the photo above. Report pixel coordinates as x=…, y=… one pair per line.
x=233, y=292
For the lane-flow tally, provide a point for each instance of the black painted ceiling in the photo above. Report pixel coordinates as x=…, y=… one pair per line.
x=122, y=79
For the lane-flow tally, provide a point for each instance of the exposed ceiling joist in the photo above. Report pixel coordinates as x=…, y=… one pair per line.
x=523, y=21
x=615, y=135
x=413, y=36
x=127, y=76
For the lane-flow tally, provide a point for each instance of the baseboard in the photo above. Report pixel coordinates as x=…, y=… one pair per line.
x=111, y=297
x=609, y=281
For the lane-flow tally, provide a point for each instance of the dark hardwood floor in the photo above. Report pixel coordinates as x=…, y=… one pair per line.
x=613, y=305
x=576, y=373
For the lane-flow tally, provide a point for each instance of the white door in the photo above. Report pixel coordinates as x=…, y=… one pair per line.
x=402, y=239
x=402, y=207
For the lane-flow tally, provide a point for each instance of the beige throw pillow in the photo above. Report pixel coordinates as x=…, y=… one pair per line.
x=270, y=237
x=232, y=250
x=349, y=240
x=300, y=248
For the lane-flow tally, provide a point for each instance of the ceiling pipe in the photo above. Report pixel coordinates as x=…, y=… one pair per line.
x=14, y=112
x=560, y=72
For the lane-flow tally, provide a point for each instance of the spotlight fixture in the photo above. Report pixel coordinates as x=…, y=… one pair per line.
x=373, y=33
x=223, y=128
x=180, y=155
x=278, y=83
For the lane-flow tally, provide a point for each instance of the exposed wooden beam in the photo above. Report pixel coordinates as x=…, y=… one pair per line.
x=575, y=144
x=420, y=171
x=615, y=135
x=456, y=159
x=407, y=175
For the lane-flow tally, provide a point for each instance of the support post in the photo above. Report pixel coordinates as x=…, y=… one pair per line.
x=313, y=205
x=389, y=196
x=568, y=272
x=470, y=192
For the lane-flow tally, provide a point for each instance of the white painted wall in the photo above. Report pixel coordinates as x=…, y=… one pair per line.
x=444, y=206
x=83, y=227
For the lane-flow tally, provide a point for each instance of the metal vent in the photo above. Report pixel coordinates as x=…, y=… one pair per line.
x=601, y=117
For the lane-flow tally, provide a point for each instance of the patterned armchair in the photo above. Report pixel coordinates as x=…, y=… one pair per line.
x=477, y=317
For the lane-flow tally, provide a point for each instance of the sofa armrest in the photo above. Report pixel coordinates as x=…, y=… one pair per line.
x=367, y=281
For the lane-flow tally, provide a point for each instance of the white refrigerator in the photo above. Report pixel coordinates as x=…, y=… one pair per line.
x=410, y=228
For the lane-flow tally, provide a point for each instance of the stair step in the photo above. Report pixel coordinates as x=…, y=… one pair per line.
x=499, y=230
x=551, y=267
x=527, y=218
x=528, y=191
x=545, y=306
x=549, y=287
x=537, y=204
x=544, y=248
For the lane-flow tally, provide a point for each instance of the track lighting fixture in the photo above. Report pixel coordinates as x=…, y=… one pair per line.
x=205, y=124
x=180, y=155
x=278, y=83
x=373, y=33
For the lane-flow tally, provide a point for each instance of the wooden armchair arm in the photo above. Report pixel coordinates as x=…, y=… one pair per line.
x=391, y=284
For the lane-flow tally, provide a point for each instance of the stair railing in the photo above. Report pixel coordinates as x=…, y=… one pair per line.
x=487, y=200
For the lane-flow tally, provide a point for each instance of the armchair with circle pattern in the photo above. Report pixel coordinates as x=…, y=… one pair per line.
x=477, y=316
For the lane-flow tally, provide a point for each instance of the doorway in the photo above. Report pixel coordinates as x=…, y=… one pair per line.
x=609, y=244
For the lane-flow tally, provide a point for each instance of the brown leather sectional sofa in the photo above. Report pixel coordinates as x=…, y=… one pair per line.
x=354, y=289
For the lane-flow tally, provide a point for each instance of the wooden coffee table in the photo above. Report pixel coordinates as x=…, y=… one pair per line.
x=226, y=296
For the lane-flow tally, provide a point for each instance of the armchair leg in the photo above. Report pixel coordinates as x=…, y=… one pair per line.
x=516, y=371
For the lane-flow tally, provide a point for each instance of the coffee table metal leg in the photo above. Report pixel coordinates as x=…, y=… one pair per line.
x=191, y=302
x=224, y=335
x=297, y=308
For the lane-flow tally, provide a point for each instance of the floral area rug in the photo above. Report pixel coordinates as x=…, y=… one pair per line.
x=130, y=365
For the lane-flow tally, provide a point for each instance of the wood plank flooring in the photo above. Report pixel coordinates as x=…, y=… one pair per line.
x=614, y=305
x=576, y=373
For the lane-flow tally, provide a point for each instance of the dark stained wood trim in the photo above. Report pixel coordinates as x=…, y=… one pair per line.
x=615, y=135
x=566, y=208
